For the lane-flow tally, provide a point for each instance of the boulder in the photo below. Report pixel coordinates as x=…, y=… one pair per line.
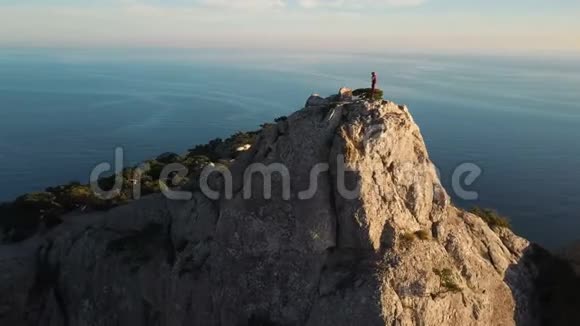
x=315, y=100
x=345, y=94
x=244, y=148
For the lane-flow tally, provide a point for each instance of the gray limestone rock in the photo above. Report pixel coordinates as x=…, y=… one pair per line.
x=379, y=244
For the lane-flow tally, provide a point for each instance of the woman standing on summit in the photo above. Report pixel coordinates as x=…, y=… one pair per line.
x=374, y=84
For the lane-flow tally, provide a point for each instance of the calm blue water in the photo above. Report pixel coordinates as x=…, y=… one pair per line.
x=62, y=112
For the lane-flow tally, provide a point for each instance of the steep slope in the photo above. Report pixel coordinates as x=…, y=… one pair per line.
x=395, y=252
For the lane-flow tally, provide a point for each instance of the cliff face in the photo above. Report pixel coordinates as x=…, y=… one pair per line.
x=394, y=253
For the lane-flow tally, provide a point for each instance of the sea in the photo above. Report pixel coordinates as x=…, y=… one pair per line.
x=515, y=119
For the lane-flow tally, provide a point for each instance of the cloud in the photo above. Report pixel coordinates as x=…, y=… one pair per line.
x=357, y=4
x=244, y=4
x=262, y=5
x=234, y=5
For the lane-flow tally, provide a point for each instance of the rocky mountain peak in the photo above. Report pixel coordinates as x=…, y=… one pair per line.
x=353, y=228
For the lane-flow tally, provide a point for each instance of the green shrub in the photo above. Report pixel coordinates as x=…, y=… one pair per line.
x=447, y=280
x=242, y=138
x=209, y=149
x=72, y=197
x=155, y=169
x=365, y=93
x=196, y=163
x=168, y=158
x=150, y=187
x=36, y=201
x=491, y=217
x=80, y=193
x=107, y=183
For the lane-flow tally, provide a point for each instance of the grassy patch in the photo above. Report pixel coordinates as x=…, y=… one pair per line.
x=408, y=238
x=447, y=279
x=365, y=93
x=491, y=217
x=37, y=201
x=422, y=235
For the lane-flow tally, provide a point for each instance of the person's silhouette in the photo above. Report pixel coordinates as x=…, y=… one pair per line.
x=374, y=84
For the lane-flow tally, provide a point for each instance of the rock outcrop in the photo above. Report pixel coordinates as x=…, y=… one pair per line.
x=316, y=100
x=378, y=245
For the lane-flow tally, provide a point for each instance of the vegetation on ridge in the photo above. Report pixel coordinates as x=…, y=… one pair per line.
x=22, y=218
x=365, y=93
x=491, y=217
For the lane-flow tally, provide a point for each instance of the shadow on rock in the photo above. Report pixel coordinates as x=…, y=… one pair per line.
x=551, y=293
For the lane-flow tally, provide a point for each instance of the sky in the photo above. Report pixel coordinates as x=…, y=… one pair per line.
x=359, y=25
